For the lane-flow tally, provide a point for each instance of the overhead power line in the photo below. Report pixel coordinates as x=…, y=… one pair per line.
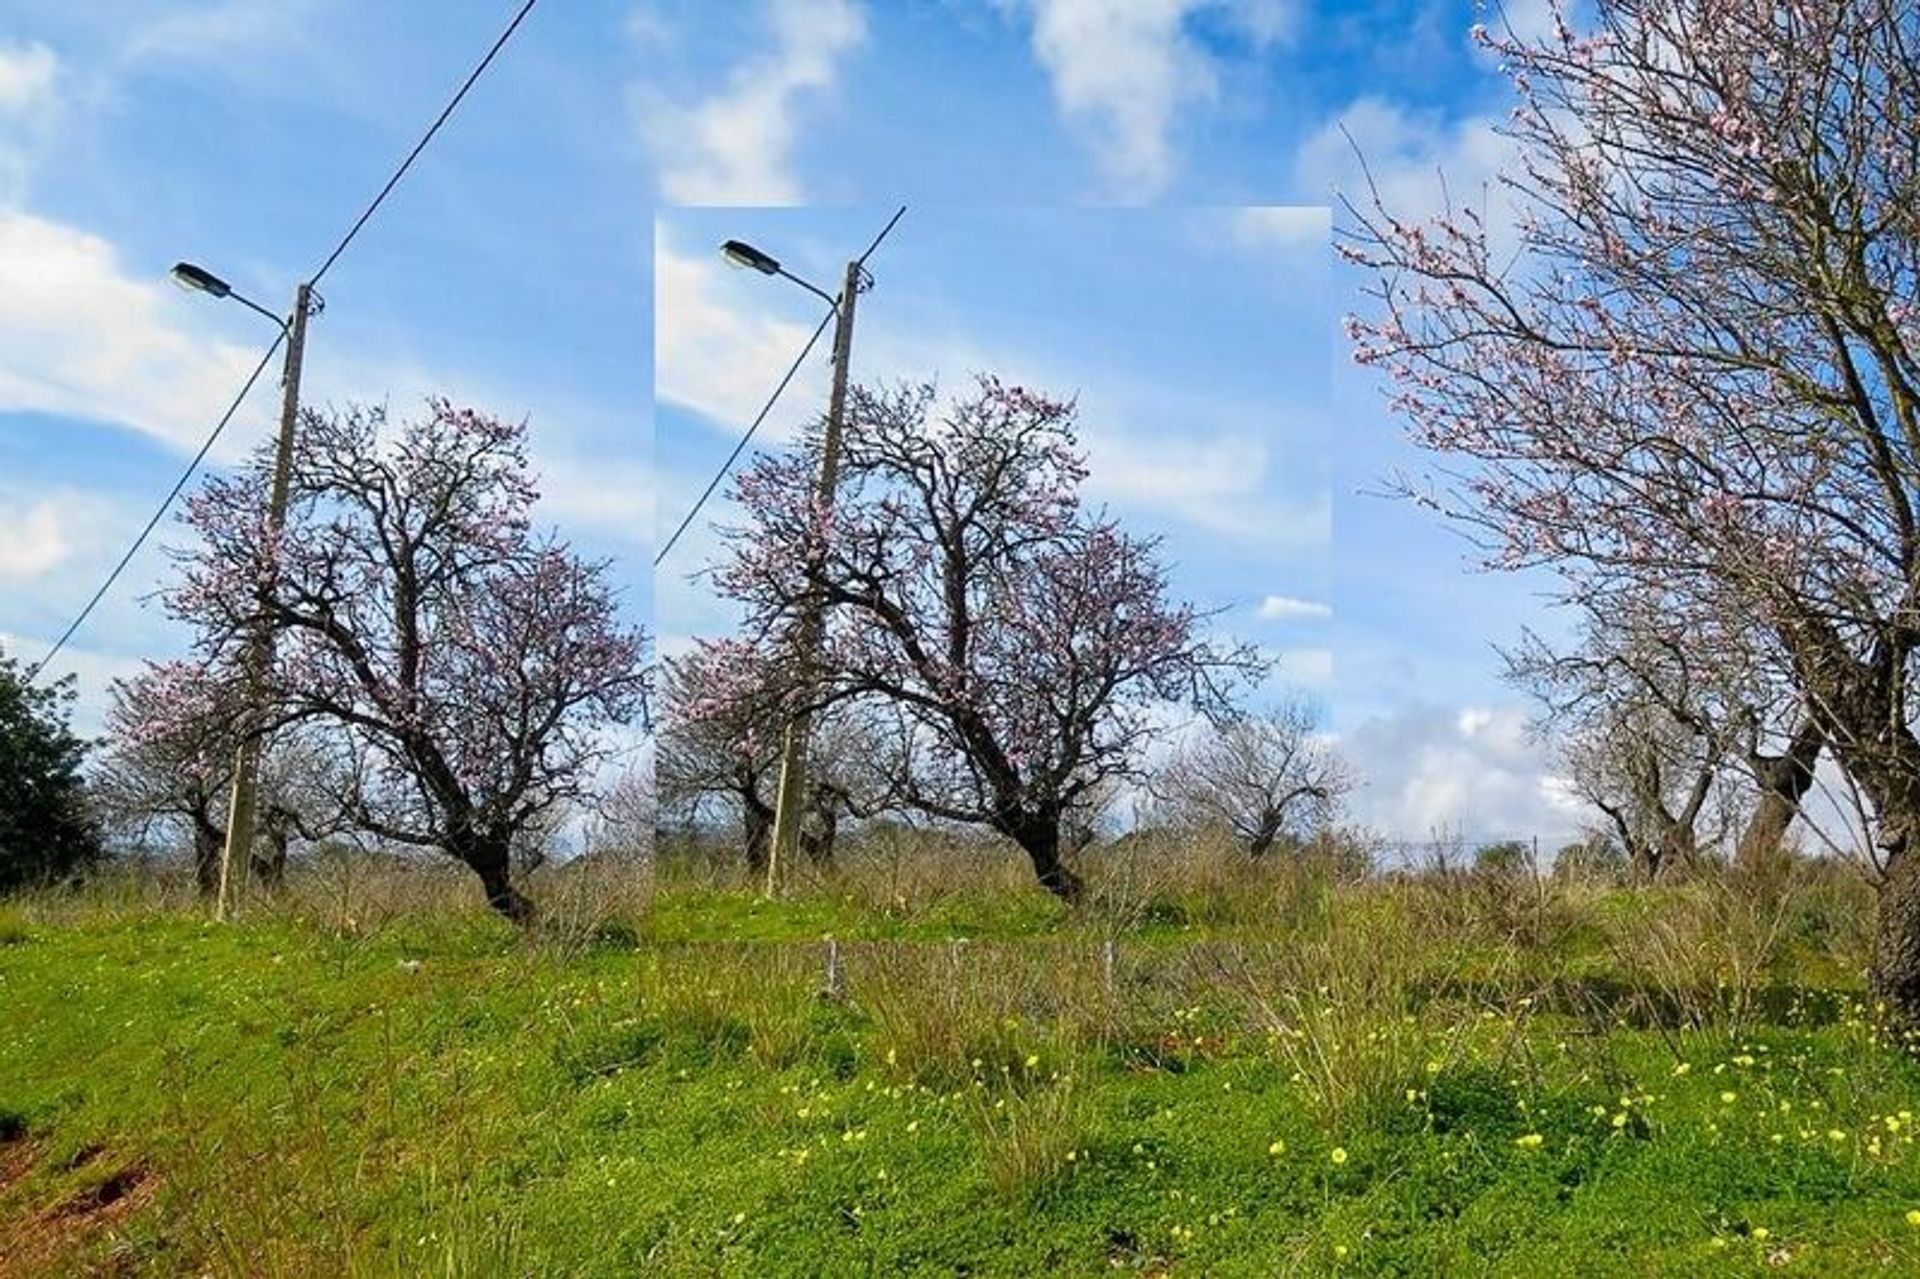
x=479, y=69
x=772, y=399
x=752, y=426
x=160, y=511
x=353, y=231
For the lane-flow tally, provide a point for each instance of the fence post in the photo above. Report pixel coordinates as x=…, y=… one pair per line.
x=836, y=987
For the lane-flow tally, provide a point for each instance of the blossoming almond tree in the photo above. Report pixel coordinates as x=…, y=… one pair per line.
x=469, y=667
x=1697, y=377
x=1016, y=640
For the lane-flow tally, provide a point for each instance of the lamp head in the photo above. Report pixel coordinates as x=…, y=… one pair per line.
x=741, y=254
x=198, y=280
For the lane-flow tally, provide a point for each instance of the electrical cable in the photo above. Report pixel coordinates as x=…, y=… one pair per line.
x=159, y=512
x=767, y=408
x=432, y=129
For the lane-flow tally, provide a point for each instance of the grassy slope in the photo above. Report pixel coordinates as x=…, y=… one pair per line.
x=296, y=1101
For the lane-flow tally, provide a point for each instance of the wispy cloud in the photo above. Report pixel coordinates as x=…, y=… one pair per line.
x=80, y=336
x=1122, y=69
x=33, y=540
x=27, y=75
x=1284, y=227
x=735, y=147
x=1422, y=165
x=1220, y=483
x=1286, y=608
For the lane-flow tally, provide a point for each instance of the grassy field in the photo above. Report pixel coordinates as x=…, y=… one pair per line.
x=1204, y=1072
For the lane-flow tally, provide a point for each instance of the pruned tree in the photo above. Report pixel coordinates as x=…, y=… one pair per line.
x=468, y=667
x=1646, y=720
x=172, y=732
x=720, y=737
x=1263, y=777
x=1699, y=373
x=1018, y=638
x=1652, y=777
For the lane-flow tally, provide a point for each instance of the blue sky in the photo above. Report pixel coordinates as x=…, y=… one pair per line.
x=516, y=269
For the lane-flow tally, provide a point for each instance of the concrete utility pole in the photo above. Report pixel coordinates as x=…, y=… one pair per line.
x=790, y=800
x=259, y=655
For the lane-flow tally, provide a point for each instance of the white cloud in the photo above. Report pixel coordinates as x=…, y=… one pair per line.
x=1284, y=226
x=1296, y=666
x=1219, y=483
x=1473, y=770
x=81, y=337
x=58, y=528
x=1286, y=608
x=1122, y=69
x=32, y=540
x=718, y=359
x=735, y=147
x=1421, y=165
x=609, y=495
x=27, y=74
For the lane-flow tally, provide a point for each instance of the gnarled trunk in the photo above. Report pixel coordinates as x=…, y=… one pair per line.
x=209, y=846
x=1783, y=781
x=818, y=828
x=490, y=857
x=756, y=819
x=276, y=834
x=1896, y=951
x=1850, y=700
x=1039, y=837
x=1261, y=841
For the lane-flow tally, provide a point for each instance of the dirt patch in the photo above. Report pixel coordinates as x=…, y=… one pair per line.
x=103, y=1196
x=62, y=1237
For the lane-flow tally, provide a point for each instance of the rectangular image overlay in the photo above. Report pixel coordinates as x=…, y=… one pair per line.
x=1079, y=518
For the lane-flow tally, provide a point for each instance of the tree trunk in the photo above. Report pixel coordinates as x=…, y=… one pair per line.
x=492, y=860
x=817, y=842
x=1896, y=959
x=209, y=844
x=270, y=869
x=1783, y=780
x=1039, y=838
x=1673, y=848
x=1849, y=698
x=756, y=820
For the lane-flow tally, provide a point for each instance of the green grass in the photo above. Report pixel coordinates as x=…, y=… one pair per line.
x=1357, y=1092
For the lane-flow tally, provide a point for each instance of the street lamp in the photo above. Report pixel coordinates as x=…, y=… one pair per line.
x=197, y=279
x=739, y=253
x=790, y=798
x=259, y=653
